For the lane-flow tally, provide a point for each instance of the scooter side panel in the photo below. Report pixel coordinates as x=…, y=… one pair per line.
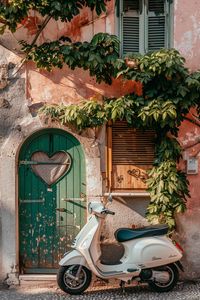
x=152, y=252
x=73, y=257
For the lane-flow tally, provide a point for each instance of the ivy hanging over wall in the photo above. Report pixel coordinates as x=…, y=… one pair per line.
x=166, y=91
x=13, y=12
x=98, y=56
x=167, y=185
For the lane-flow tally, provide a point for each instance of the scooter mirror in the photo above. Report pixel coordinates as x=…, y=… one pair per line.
x=110, y=197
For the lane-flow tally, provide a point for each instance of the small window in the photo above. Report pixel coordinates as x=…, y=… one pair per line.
x=132, y=155
x=145, y=25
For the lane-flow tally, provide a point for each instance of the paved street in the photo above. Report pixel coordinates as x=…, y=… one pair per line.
x=182, y=291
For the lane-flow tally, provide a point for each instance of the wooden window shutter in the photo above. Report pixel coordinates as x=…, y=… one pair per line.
x=130, y=26
x=132, y=155
x=157, y=24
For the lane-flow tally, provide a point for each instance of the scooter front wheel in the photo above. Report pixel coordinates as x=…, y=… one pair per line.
x=72, y=286
x=161, y=284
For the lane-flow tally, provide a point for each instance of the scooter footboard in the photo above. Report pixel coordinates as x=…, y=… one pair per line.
x=73, y=257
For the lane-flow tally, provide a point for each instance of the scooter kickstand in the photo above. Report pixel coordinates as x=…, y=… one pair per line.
x=122, y=286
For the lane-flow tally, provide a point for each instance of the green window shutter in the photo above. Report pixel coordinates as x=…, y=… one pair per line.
x=130, y=26
x=157, y=24
x=145, y=25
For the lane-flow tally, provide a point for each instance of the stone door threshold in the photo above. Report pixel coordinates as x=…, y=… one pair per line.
x=38, y=280
x=37, y=277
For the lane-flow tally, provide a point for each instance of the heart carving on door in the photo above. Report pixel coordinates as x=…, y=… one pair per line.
x=50, y=168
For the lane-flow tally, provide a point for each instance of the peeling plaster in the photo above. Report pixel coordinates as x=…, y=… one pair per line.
x=185, y=45
x=187, y=30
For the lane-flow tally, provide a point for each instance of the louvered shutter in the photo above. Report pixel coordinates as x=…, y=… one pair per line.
x=132, y=155
x=145, y=25
x=156, y=24
x=130, y=26
x=132, y=146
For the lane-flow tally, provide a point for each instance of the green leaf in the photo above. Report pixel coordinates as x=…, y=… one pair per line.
x=57, y=5
x=2, y=29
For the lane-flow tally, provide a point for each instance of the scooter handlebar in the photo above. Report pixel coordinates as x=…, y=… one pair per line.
x=108, y=212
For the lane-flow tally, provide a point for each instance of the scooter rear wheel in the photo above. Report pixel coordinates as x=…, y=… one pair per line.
x=71, y=286
x=161, y=287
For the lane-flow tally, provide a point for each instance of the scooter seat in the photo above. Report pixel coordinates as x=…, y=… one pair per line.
x=127, y=234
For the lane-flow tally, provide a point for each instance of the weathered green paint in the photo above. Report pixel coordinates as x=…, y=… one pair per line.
x=44, y=232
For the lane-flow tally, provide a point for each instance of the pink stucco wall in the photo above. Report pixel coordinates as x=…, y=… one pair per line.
x=187, y=41
x=188, y=136
x=68, y=86
x=187, y=31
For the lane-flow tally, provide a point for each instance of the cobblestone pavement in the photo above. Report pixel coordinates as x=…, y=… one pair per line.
x=183, y=291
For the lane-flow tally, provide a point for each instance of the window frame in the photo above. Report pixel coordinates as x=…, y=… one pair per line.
x=112, y=167
x=143, y=26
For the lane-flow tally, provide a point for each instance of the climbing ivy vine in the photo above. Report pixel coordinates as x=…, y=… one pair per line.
x=165, y=91
x=13, y=12
x=98, y=56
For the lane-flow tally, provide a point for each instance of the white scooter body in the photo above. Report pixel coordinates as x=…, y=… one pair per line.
x=140, y=253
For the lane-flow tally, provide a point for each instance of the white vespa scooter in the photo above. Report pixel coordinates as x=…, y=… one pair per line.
x=149, y=256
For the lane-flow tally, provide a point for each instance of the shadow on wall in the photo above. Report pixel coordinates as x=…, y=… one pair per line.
x=129, y=212
x=66, y=86
x=138, y=205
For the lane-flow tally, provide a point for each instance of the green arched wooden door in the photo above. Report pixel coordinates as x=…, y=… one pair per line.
x=51, y=198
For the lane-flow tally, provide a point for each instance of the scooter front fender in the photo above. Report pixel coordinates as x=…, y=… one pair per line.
x=73, y=257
